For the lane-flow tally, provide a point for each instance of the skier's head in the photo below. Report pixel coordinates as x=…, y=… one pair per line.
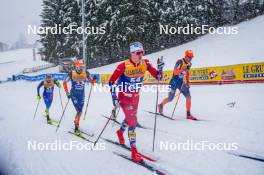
x=48, y=77
x=188, y=55
x=78, y=65
x=136, y=51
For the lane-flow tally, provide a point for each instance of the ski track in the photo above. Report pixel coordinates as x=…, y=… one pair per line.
x=236, y=124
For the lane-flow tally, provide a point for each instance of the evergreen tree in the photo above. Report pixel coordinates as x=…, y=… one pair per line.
x=127, y=21
x=52, y=17
x=71, y=17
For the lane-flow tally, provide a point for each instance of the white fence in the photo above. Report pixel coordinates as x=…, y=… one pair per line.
x=38, y=68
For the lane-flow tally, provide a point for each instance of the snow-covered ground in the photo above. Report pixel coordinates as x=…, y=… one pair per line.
x=241, y=124
x=13, y=62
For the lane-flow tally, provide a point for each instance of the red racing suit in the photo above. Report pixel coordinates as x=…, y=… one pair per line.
x=129, y=77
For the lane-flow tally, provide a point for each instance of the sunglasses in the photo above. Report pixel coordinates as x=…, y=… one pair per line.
x=139, y=52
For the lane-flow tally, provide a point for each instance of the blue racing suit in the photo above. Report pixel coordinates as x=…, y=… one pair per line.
x=48, y=90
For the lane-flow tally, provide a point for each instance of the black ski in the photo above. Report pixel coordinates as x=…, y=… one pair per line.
x=51, y=121
x=128, y=149
x=165, y=116
x=80, y=136
x=143, y=163
x=116, y=143
x=85, y=133
x=247, y=156
x=117, y=122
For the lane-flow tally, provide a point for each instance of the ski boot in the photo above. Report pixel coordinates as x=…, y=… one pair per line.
x=160, y=107
x=120, y=137
x=48, y=117
x=134, y=155
x=77, y=131
x=190, y=117
x=49, y=120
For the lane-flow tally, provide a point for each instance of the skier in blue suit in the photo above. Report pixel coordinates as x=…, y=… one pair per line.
x=48, y=84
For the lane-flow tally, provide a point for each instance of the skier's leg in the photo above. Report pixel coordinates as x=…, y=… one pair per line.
x=79, y=108
x=48, y=102
x=132, y=136
x=172, y=90
x=131, y=120
x=120, y=132
x=78, y=105
x=187, y=95
x=130, y=107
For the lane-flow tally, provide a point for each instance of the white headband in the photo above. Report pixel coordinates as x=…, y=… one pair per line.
x=136, y=47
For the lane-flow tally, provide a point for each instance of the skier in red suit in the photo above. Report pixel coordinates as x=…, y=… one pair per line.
x=129, y=76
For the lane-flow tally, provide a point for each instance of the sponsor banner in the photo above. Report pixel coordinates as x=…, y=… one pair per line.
x=40, y=77
x=251, y=72
x=231, y=73
x=60, y=76
x=104, y=78
x=166, y=77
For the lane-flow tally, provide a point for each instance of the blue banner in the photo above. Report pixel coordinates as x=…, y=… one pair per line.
x=40, y=77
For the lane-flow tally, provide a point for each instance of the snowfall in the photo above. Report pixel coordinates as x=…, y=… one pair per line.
x=241, y=124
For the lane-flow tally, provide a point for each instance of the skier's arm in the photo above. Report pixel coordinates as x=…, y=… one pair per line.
x=89, y=76
x=178, y=68
x=65, y=86
x=117, y=73
x=39, y=86
x=151, y=69
x=93, y=81
x=187, y=77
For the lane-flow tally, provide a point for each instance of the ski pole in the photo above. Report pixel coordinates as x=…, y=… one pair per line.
x=36, y=110
x=90, y=92
x=62, y=115
x=157, y=101
x=177, y=101
x=61, y=100
x=112, y=114
x=155, y=122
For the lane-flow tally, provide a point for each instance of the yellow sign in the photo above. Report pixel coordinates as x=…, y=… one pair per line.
x=239, y=72
x=231, y=73
x=104, y=78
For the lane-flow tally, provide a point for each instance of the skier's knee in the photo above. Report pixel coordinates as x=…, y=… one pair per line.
x=170, y=97
x=132, y=135
x=79, y=112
